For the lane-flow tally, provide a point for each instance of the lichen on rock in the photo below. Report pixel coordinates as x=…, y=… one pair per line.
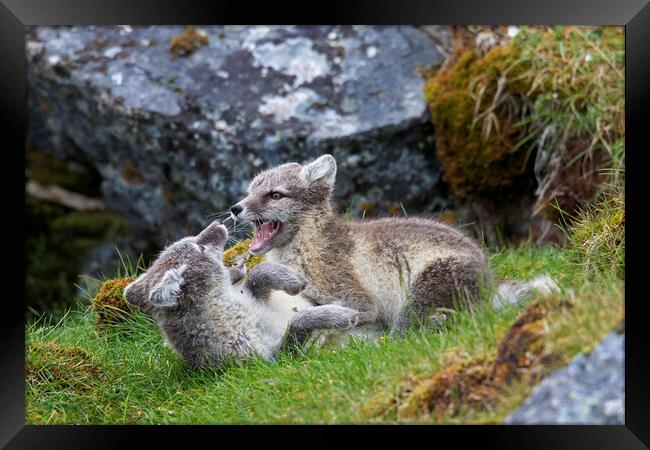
x=203, y=125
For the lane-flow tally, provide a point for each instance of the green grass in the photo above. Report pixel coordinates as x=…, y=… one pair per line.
x=125, y=374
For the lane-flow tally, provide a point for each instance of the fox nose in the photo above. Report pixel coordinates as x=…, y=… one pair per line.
x=236, y=209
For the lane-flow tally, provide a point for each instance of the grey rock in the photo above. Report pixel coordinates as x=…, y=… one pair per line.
x=590, y=390
x=177, y=139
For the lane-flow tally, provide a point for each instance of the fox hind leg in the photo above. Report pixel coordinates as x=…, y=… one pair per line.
x=449, y=283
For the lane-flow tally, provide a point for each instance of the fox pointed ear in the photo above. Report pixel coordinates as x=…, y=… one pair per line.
x=214, y=234
x=323, y=170
x=166, y=292
x=134, y=293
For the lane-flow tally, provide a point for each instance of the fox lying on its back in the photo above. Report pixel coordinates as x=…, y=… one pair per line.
x=390, y=270
x=206, y=320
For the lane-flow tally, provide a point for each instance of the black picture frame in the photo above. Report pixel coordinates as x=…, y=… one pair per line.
x=15, y=15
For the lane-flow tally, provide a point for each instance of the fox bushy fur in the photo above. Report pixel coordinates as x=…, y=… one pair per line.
x=208, y=320
x=391, y=270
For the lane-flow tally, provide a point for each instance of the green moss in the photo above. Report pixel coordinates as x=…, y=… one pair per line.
x=54, y=370
x=556, y=90
x=109, y=303
x=88, y=224
x=241, y=248
x=48, y=170
x=54, y=366
x=475, y=160
x=57, y=239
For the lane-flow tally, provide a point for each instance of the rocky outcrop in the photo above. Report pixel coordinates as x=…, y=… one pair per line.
x=177, y=132
x=590, y=390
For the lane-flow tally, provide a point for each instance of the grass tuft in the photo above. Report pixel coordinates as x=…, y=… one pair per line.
x=597, y=243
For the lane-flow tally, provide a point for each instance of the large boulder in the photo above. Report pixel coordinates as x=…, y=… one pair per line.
x=177, y=134
x=589, y=391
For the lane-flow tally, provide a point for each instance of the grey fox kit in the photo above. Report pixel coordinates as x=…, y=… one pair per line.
x=391, y=270
x=207, y=320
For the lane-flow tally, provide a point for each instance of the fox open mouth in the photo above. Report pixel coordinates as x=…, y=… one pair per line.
x=265, y=231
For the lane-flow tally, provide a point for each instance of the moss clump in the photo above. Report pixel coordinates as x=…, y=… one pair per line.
x=457, y=385
x=521, y=353
x=53, y=367
x=109, y=303
x=240, y=249
x=552, y=96
x=187, y=42
x=476, y=158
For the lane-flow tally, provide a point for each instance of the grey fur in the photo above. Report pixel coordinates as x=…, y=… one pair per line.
x=189, y=292
x=391, y=270
x=325, y=317
x=266, y=277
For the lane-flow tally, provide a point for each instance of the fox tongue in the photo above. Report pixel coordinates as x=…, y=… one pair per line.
x=263, y=233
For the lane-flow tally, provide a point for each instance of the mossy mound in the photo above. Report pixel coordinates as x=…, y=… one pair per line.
x=231, y=255
x=478, y=156
x=56, y=367
x=188, y=41
x=48, y=170
x=457, y=385
x=109, y=303
x=540, y=114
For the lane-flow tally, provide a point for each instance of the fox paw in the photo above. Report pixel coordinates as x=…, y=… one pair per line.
x=296, y=286
x=350, y=320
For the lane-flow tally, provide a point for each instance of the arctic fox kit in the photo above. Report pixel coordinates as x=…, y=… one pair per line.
x=391, y=270
x=206, y=320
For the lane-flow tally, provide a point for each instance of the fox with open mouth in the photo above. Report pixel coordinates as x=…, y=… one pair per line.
x=392, y=270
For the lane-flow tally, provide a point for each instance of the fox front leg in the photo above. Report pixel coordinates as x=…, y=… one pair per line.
x=325, y=317
x=267, y=276
x=351, y=296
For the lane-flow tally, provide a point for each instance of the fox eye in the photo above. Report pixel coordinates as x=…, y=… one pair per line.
x=276, y=195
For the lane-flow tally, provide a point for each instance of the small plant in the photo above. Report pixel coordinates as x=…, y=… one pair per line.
x=188, y=41
x=240, y=250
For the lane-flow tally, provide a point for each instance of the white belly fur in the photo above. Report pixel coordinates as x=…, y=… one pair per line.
x=285, y=306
